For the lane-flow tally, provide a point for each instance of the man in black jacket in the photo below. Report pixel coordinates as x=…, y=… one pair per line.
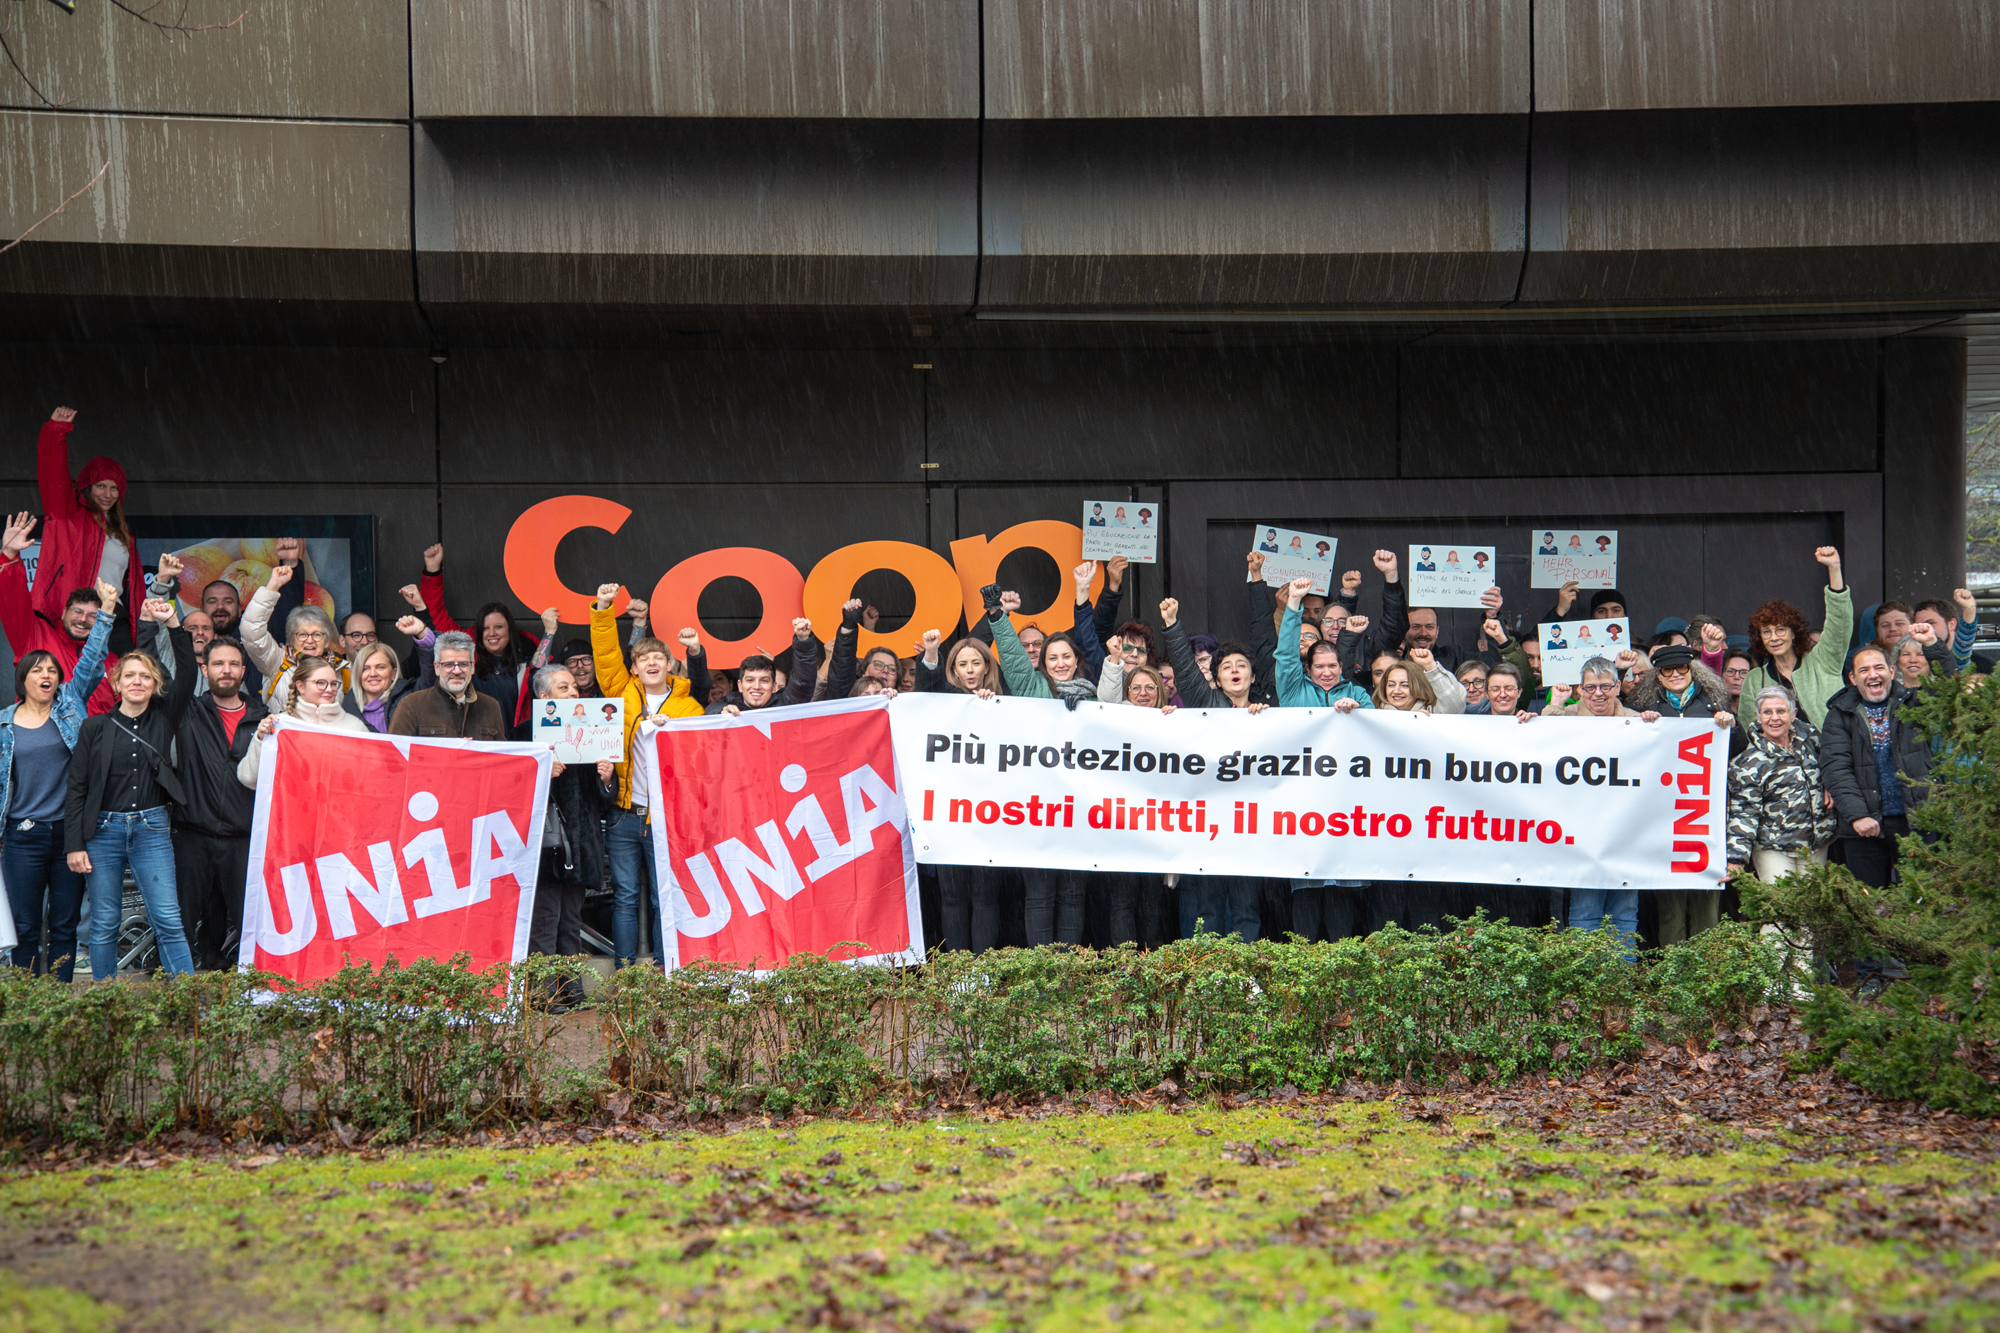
x=1360, y=643
x=1874, y=764
x=212, y=825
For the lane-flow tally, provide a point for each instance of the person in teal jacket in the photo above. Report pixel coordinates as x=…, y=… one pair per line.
x=1318, y=685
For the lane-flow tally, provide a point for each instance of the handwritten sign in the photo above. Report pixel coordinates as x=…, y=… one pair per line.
x=1580, y=555
x=1446, y=575
x=582, y=730
x=1130, y=528
x=1568, y=644
x=1292, y=555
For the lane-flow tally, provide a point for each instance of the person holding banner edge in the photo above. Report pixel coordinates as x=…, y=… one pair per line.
x=969, y=896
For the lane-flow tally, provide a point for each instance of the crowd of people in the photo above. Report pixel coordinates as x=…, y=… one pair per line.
x=150, y=763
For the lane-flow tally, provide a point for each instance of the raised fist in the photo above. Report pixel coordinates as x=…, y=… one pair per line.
x=411, y=594
x=551, y=621
x=690, y=639
x=1828, y=556
x=433, y=557
x=107, y=596
x=1356, y=625
x=636, y=608
x=63, y=414
x=801, y=628
x=280, y=576
x=1386, y=562
x=1350, y=582
x=1255, y=563
x=410, y=626
x=605, y=593
x=1010, y=601
x=1170, y=610
x=290, y=550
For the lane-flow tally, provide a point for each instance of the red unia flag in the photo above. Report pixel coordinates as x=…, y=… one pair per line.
x=783, y=832
x=367, y=847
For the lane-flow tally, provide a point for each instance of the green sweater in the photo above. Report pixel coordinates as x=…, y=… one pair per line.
x=1820, y=674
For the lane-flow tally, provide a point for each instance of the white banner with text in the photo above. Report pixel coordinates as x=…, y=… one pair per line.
x=1308, y=792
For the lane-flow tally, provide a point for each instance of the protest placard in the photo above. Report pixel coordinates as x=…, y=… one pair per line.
x=1584, y=556
x=1568, y=644
x=1290, y=554
x=1121, y=527
x=1445, y=575
x=582, y=730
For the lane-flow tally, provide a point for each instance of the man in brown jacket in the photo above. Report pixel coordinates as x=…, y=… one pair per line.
x=451, y=707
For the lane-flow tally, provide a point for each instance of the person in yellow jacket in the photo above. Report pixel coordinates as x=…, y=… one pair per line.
x=651, y=691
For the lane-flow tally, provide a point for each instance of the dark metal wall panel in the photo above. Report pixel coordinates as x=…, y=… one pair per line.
x=671, y=523
x=255, y=417
x=1773, y=206
x=345, y=59
x=1281, y=212
x=1923, y=465
x=1638, y=409
x=234, y=209
x=607, y=419
x=1631, y=54
x=1054, y=59
x=1721, y=544
x=859, y=58
x=760, y=213
x=1091, y=414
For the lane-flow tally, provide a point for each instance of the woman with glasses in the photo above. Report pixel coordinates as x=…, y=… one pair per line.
x=115, y=805
x=316, y=699
x=309, y=632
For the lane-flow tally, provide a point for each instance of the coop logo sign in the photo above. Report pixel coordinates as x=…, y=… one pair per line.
x=366, y=848
x=946, y=589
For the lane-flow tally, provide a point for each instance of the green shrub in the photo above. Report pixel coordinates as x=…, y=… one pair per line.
x=1932, y=1036
x=402, y=1051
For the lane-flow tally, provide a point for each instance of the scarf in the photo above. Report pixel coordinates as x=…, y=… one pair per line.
x=323, y=715
x=285, y=668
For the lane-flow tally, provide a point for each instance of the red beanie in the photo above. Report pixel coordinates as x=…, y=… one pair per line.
x=102, y=469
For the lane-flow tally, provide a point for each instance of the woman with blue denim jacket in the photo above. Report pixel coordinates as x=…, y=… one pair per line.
x=120, y=783
x=36, y=736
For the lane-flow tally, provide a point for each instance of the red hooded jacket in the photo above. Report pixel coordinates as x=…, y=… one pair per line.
x=72, y=540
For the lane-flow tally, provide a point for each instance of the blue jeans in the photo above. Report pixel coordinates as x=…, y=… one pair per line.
x=629, y=845
x=36, y=868
x=1589, y=907
x=142, y=839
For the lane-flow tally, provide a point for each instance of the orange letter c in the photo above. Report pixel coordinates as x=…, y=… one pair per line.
x=529, y=557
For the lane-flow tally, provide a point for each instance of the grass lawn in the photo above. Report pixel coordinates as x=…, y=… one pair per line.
x=1332, y=1214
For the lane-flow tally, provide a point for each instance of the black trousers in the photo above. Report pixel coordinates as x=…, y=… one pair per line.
x=1410, y=903
x=556, y=926
x=969, y=905
x=1054, y=913
x=208, y=880
x=1873, y=860
x=1325, y=911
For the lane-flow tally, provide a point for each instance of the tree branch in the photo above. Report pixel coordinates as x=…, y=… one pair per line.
x=58, y=208
x=146, y=16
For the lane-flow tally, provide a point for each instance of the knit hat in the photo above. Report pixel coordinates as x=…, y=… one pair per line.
x=102, y=469
x=1603, y=595
x=574, y=648
x=1671, y=625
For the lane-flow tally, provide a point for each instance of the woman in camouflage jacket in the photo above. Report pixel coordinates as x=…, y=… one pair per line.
x=1779, y=815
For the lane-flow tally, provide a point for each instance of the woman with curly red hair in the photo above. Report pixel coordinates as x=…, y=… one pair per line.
x=1778, y=633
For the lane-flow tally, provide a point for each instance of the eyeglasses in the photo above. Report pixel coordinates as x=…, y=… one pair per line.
x=359, y=636
x=1676, y=671
x=1605, y=687
x=454, y=666
x=1737, y=673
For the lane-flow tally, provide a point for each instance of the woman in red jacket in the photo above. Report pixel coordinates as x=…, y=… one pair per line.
x=84, y=537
